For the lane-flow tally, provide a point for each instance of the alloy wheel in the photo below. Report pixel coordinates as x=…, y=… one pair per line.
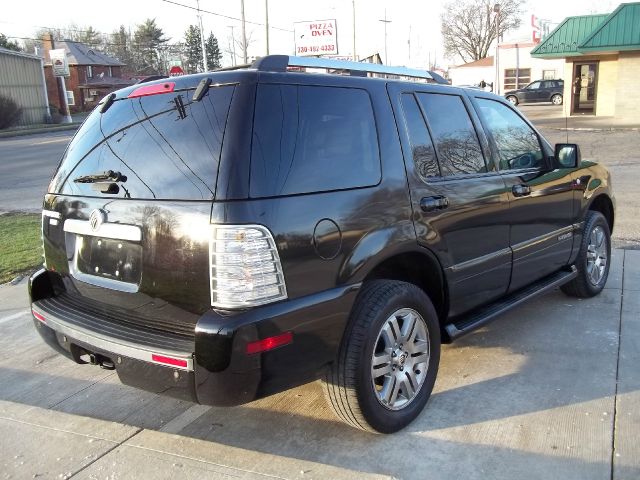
x=597, y=255
x=400, y=359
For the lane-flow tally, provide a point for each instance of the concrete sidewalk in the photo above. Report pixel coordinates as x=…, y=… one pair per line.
x=551, y=116
x=549, y=390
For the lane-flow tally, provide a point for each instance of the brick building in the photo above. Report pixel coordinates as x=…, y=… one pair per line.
x=602, y=62
x=93, y=74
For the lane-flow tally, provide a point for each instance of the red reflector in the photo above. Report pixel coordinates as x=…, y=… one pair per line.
x=152, y=89
x=269, y=343
x=38, y=316
x=176, y=362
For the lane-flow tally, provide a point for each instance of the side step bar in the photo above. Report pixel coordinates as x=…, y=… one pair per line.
x=484, y=315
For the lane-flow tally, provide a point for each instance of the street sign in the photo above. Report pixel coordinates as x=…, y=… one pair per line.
x=319, y=37
x=176, y=71
x=59, y=62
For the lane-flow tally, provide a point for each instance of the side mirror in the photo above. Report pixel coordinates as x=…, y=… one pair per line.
x=567, y=155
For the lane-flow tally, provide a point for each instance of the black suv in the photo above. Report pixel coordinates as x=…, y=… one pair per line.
x=225, y=236
x=538, y=91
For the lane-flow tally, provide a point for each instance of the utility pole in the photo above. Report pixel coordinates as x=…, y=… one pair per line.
x=496, y=82
x=244, y=34
x=266, y=22
x=385, y=21
x=62, y=89
x=204, y=50
x=409, y=44
x=233, y=43
x=353, y=6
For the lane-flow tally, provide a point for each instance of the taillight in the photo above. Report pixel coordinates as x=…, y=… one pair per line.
x=269, y=343
x=245, y=267
x=176, y=362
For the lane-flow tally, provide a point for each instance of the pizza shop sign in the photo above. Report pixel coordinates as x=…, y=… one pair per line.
x=318, y=37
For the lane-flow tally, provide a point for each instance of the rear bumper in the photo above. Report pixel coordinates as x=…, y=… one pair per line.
x=213, y=367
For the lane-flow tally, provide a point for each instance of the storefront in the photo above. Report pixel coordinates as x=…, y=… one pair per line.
x=602, y=56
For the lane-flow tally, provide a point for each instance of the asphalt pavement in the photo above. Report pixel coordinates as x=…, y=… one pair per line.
x=26, y=166
x=550, y=390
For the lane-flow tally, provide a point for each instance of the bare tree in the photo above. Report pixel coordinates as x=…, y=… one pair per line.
x=470, y=26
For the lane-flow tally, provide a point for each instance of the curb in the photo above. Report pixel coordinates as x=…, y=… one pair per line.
x=593, y=129
x=33, y=131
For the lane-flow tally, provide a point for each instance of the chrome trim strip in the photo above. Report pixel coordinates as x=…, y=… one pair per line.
x=102, y=281
x=543, y=238
x=50, y=213
x=117, y=231
x=117, y=346
x=474, y=262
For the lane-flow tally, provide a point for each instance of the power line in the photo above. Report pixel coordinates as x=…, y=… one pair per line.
x=227, y=16
x=132, y=43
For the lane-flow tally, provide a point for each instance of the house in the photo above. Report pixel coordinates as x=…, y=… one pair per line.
x=602, y=62
x=516, y=65
x=92, y=74
x=473, y=73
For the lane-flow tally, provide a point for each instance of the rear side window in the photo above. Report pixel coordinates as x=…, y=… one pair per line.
x=517, y=144
x=453, y=133
x=424, y=158
x=167, y=146
x=312, y=139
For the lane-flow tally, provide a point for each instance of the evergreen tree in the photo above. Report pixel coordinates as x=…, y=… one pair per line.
x=192, y=51
x=120, y=47
x=9, y=44
x=213, y=52
x=148, y=41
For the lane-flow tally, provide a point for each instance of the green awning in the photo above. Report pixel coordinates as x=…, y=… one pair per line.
x=565, y=39
x=620, y=31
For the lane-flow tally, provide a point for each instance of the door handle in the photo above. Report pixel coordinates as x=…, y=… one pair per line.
x=521, y=190
x=430, y=204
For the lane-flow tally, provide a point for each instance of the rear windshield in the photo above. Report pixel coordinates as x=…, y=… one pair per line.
x=166, y=145
x=312, y=139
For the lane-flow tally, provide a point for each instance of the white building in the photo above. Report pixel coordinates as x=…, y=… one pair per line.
x=516, y=66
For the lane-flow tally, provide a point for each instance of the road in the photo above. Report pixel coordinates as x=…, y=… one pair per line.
x=26, y=166
x=549, y=390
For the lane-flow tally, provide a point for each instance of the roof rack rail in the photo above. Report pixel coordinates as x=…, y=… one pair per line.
x=279, y=63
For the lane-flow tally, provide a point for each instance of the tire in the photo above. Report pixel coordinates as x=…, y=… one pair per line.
x=513, y=99
x=353, y=390
x=556, y=99
x=595, y=249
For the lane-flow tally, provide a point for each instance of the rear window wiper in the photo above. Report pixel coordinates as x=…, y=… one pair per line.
x=108, y=176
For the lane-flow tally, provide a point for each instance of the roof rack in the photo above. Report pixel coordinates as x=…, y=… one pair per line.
x=280, y=63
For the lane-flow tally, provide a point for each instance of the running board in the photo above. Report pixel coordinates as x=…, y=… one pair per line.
x=484, y=315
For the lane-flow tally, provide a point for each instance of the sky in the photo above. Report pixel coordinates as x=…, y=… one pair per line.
x=413, y=36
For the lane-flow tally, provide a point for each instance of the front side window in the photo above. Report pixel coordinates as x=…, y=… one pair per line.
x=517, y=144
x=455, y=138
x=533, y=86
x=310, y=139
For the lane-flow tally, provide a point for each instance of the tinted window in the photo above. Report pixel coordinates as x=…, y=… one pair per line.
x=424, y=157
x=311, y=139
x=167, y=146
x=455, y=138
x=517, y=144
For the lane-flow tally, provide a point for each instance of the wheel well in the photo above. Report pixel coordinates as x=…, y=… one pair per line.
x=419, y=269
x=603, y=204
